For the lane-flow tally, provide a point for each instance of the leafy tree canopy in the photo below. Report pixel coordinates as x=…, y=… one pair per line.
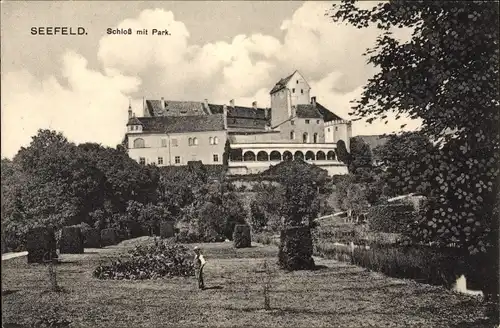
x=446, y=75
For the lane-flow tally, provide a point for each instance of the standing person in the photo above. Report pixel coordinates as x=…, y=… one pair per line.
x=199, y=263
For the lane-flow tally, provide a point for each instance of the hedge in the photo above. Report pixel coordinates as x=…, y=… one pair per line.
x=166, y=229
x=40, y=242
x=242, y=237
x=91, y=238
x=296, y=249
x=109, y=237
x=71, y=240
x=393, y=218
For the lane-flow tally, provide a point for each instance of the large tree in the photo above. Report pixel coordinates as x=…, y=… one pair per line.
x=446, y=75
x=402, y=160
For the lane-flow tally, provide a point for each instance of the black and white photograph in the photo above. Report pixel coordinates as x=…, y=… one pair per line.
x=250, y=164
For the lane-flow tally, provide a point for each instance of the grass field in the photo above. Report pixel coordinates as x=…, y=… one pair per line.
x=335, y=295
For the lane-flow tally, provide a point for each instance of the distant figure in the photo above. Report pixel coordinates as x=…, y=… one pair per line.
x=199, y=263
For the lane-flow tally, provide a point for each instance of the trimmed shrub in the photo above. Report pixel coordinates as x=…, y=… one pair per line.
x=41, y=241
x=135, y=229
x=166, y=229
x=296, y=249
x=391, y=217
x=150, y=262
x=91, y=238
x=109, y=237
x=71, y=240
x=241, y=236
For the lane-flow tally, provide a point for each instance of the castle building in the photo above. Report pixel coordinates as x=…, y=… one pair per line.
x=296, y=126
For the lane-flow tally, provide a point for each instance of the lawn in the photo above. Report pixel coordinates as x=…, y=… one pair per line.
x=335, y=295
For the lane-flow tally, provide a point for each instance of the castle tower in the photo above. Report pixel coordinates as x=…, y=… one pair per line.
x=289, y=92
x=338, y=130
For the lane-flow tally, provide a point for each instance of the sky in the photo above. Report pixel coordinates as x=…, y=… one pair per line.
x=217, y=50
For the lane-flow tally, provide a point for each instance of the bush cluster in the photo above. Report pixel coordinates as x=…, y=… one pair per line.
x=150, y=262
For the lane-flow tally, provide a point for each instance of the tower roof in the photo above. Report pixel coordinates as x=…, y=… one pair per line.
x=281, y=84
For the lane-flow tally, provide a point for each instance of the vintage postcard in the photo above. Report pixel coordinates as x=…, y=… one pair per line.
x=250, y=164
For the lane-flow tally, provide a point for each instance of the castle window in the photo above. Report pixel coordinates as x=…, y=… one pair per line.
x=174, y=143
x=302, y=91
x=139, y=143
x=293, y=90
x=195, y=141
x=297, y=81
x=305, y=137
x=292, y=122
x=164, y=142
x=336, y=128
x=216, y=141
x=328, y=129
x=216, y=157
x=307, y=121
x=177, y=159
x=160, y=160
x=190, y=141
x=142, y=160
x=292, y=135
x=315, y=138
x=317, y=121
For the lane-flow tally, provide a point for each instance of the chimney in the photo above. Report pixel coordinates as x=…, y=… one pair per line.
x=224, y=116
x=231, y=102
x=162, y=103
x=313, y=101
x=254, y=105
x=207, y=108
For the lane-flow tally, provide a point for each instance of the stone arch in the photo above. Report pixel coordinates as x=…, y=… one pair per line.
x=330, y=155
x=287, y=156
x=298, y=155
x=320, y=156
x=262, y=156
x=310, y=156
x=249, y=156
x=139, y=143
x=275, y=156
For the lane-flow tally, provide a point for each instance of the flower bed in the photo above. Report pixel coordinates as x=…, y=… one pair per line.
x=150, y=262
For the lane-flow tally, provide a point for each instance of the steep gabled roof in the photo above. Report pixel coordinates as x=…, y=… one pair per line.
x=282, y=83
x=180, y=124
x=327, y=114
x=175, y=108
x=239, y=111
x=308, y=111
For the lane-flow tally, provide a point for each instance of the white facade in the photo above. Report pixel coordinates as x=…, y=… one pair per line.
x=338, y=130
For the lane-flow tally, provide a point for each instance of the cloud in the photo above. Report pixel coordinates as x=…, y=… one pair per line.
x=92, y=107
x=91, y=104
